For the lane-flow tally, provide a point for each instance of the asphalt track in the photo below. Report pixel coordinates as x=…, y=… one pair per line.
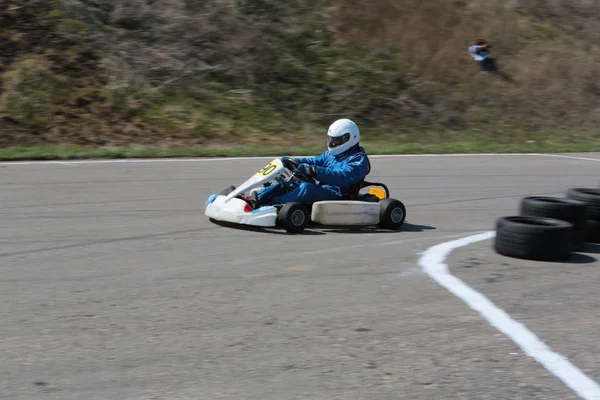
x=114, y=285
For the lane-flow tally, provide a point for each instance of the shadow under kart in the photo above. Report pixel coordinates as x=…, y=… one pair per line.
x=373, y=209
x=318, y=229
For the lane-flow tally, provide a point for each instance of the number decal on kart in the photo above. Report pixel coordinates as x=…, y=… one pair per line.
x=267, y=169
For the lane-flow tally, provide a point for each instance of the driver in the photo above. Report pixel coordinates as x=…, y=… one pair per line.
x=336, y=170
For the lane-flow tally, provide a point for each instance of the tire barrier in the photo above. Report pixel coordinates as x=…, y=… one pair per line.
x=591, y=198
x=569, y=210
x=593, y=231
x=550, y=228
x=533, y=238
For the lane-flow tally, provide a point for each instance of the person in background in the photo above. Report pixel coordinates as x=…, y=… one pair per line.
x=480, y=51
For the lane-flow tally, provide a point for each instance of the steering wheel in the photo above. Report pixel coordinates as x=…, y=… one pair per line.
x=292, y=165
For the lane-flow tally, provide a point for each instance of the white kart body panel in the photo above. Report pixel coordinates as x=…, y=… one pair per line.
x=232, y=210
x=345, y=213
x=271, y=171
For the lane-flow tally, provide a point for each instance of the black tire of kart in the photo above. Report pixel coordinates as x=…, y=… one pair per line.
x=533, y=238
x=592, y=231
x=591, y=198
x=288, y=217
x=573, y=211
x=392, y=214
x=228, y=190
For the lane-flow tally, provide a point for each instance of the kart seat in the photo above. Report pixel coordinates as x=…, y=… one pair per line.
x=354, y=193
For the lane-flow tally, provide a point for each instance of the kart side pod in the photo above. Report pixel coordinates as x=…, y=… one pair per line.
x=345, y=213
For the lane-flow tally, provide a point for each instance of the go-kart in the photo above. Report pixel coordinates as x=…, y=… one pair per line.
x=375, y=208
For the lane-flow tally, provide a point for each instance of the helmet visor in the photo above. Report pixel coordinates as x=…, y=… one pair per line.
x=338, y=140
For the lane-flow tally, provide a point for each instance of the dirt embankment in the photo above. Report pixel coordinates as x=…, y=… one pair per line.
x=100, y=72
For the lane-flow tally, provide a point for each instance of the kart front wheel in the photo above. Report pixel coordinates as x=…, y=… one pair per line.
x=228, y=190
x=293, y=217
x=392, y=213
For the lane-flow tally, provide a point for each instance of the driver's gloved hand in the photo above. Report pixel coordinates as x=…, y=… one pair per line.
x=309, y=171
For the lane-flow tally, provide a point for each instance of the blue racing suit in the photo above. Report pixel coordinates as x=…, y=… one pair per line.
x=336, y=176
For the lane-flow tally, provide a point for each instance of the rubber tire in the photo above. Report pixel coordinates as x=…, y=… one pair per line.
x=533, y=238
x=593, y=231
x=228, y=190
x=385, y=214
x=285, y=217
x=569, y=210
x=591, y=197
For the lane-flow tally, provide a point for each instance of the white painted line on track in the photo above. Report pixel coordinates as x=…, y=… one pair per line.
x=201, y=160
x=570, y=157
x=433, y=263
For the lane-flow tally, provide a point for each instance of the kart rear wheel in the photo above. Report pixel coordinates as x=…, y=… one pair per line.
x=293, y=217
x=392, y=213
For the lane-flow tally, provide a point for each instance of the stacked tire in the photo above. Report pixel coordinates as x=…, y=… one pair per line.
x=591, y=198
x=562, y=209
x=533, y=238
x=550, y=228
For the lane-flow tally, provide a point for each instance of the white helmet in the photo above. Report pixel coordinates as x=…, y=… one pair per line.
x=343, y=135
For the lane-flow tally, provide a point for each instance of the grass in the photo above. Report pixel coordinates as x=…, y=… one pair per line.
x=64, y=152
